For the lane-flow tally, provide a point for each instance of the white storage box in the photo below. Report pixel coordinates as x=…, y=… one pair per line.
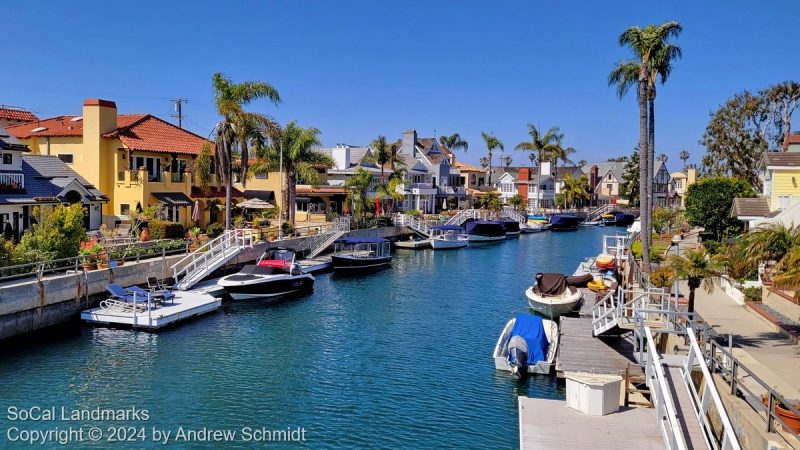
x=593, y=394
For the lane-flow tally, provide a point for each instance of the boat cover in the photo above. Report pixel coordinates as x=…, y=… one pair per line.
x=531, y=328
x=550, y=283
x=564, y=220
x=580, y=280
x=448, y=228
x=485, y=228
x=361, y=240
x=511, y=226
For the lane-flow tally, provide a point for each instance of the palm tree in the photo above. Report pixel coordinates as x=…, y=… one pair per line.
x=770, y=242
x=492, y=143
x=491, y=201
x=484, y=162
x=533, y=158
x=454, y=142
x=696, y=267
x=300, y=160
x=684, y=156
x=507, y=160
x=575, y=189
x=653, y=59
x=237, y=126
x=389, y=191
x=517, y=202
x=542, y=145
x=582, y=163
x=357, y=188
x=663, y=157
x=788, y=276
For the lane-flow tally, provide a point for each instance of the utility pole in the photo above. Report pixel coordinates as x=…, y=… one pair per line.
x=179, y=110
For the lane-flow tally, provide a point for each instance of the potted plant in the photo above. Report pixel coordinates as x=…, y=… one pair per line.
x=100, y=255
x=88, y=259
x=194, y=238
x=271, y=236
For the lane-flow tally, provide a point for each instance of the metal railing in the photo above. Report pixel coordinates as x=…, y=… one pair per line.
x=418, y=225
x=11, y=182
x=318, y=243
x=511, y=213
x=668, y=422
x=595, y=213
x=702, y=401
x=616, y=245
x=733, y=371
x=463, y=215
x=209, y=257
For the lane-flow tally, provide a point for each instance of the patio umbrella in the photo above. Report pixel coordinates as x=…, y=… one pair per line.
x=377, y=206
x=196, y=212
x=444, y=204
x=256, y=203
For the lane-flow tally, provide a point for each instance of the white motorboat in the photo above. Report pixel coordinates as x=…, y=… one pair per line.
x=527, y=344
x=448, y=236
x=531, y=228
x=554, y=295
x=590, y=223
x=274, y=274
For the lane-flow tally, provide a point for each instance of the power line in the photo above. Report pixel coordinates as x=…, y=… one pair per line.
x=179, y=109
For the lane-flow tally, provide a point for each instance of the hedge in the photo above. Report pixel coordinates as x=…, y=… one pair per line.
x=160, y=229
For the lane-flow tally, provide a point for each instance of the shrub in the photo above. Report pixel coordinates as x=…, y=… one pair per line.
x=752, y=293
x=160, y=229
x=708, y=204
x=6, y=252
x=656, y=251
x=59, y=235
x=713, y=246
x=214, y=230
x=414, y=212
x=662, y=277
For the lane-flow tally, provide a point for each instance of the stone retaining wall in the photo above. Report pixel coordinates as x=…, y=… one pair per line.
x=782, y=305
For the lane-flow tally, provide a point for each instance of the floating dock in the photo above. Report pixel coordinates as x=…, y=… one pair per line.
x=550, y=424
x=314, y=265
x=580, y=351
x=187, y=304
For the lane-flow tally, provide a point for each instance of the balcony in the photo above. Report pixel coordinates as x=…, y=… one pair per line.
x=12, y=183
x=177, y=177
x=451, y=190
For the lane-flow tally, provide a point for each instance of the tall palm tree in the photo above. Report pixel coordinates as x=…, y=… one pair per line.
x=653, y=57
x=454, y=142
x=237, y=126
x=357, y=188
x=662, y=157
x=300, y=160
x=684, y=156
x=492, y=143
x=696, y=267
x=507, y=160
x=542, y=145
x=384, y=154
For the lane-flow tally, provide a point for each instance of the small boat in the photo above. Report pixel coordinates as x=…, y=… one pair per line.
x=564, y=222
x=274, y=274
x=511, y=227
x=531, y=227
x=554, y=294
x=527, y=344
x=538, y=217
x=608, y=219
x=485, y=231
x=448, y=236
x=412, y=244
x=623, y=219
x=590, y=223
x=352, y=254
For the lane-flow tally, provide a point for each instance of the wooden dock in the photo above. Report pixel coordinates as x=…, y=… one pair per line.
x=580, y=351
x=187, y=304
x=318, y=264
x=550, y=424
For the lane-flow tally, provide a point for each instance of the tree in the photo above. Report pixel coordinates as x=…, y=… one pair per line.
x=708, y=204
x=542, y=145
x=454, y=142
x=696, y=267
x=383, y=154
x=653, y=59
x=533, y=158
x=582, y=163
x=662, y=157
x=357, y=188
x=517, y=202
x=684, y=156
x=491, y=201
x=300, y=161
x=203, y=168
x=492, y=143
x=630, y=187
x=746, y=126
x=484, y=162
x=507, y=160
x=237, y=126
x=58, y=236
x=769, y=242
x=575, y=189
x=389, y=191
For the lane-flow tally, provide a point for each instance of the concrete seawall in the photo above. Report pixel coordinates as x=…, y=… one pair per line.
x=29, y=305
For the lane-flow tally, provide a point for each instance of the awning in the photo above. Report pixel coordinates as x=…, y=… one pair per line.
x=173, y=198
x=267, y=196
x=302, y=200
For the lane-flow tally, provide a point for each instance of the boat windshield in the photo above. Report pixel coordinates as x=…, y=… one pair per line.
x=363, y=249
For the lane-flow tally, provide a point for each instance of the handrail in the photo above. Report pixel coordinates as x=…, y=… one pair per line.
x=731, y=368
x=513, y=214
x=665, y=410
x=224, y=246
x=700, y=402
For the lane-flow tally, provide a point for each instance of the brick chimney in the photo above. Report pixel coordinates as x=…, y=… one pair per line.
x=524, y=177
x=594, y=176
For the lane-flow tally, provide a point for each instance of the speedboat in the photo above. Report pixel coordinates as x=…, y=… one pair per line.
x=485, y=231
x=511, y=227
x=618, y=218
x=448, y=236
x=411, y=244
x=527, y=344
x=590, y=223
x=353, y=254
x=531, y=227
x=554, y=294
x=274, y=274
x=539, y=220
x=564, y=222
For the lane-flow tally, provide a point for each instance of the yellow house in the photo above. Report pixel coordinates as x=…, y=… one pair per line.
x=136, y=160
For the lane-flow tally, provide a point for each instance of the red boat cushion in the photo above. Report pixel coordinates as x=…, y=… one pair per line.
x=275, y=263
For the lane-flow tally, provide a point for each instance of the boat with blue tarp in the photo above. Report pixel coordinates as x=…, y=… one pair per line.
x=511, y=227
x=352, y=254
x=526, y=345
x=564, y=222
x=485, y=231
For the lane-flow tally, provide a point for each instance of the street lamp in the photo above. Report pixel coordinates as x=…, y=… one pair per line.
x=676, y=240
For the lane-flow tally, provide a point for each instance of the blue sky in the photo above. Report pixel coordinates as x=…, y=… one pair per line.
x=356, y=69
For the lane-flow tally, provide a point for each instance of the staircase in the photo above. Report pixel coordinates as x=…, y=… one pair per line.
x=318, y=243
x=596, y=213
x=463, y=215
x=418, y=225
x=209, y=257
x=653, y=307
x=513, y=214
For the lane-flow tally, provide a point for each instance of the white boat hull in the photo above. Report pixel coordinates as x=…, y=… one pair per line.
x=528, y=228
x=442, y=243
x=500, y=353
x=478, y=238
x=556, y=305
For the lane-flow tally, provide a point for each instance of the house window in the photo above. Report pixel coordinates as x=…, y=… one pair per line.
x=8, y=158
x=67, y=158
x=152, y=165
x=506, y=187
x=261, y=176
x=608, y=186
x=125, y=209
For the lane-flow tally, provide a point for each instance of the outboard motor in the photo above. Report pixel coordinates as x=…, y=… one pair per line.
x=518, y=356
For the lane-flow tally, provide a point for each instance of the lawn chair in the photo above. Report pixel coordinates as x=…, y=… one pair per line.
x=122, y=299
x=156, y=295
x=155, y=283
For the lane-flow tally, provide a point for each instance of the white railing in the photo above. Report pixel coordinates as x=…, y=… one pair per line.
x=511, y=213
x=318, y=243
x=418, y=225
x=701, y=401
x=604, y=314
x=654, y=306
x=12, y=181
x=617, y=246
x=463, y=215
x=666, y=413
x=208, y=257
x=595, y=213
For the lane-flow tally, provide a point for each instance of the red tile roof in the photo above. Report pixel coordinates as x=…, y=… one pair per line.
x=794, y=138
x=17, y=114
x=135, y=131
x=320, y=190
x=464, y=167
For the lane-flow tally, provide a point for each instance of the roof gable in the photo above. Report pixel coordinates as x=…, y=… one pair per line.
x=11, y=113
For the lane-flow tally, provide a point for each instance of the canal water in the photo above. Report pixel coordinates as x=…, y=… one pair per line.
x=396, y=359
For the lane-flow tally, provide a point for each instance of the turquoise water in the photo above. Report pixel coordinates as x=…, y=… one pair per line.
x=397, y=359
